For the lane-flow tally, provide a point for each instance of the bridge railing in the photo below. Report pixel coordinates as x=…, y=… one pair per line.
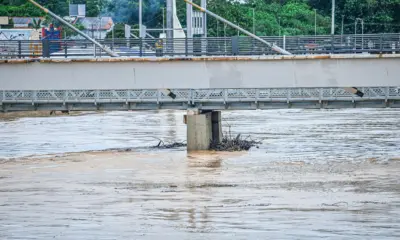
x=222, y=46
x=197, y=95
x=20, y=49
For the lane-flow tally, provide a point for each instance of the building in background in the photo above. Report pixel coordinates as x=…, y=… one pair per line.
x=20, y=34
x=96, y=27
x=77, y=10
x=26, y=22
x=3, y=21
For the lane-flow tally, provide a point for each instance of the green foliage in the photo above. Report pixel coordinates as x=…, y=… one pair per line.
x=19, y=10
x=271, y=17
x=119, y=31
x=36, y=24
x=68, y=32
x=292, y=18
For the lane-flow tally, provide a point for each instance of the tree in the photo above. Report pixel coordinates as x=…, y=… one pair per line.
x=119, y=31
x=71, y=33
x=271, y=16
x=36, y=23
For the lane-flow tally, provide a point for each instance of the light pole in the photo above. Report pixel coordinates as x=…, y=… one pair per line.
x=315, y=22
x=341, y=39
x=217, y=29
x=163, y=20
x=279, y=22
x=140, y=18
x=333, y=18
x=362, y=32
x=254, y=26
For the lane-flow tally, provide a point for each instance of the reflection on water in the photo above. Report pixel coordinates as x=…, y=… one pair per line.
x=318, y=174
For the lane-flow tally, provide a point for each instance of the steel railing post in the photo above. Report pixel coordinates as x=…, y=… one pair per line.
x=186, y=47
x=65, y=49
x=45, y=48
x=140, y=47
x=284, y=42
x=19, y=49
x=235, y=45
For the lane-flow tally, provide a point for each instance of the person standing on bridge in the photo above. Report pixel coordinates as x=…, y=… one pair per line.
x=159, y=48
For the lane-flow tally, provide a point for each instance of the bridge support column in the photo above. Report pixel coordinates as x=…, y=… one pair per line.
x=202, y=129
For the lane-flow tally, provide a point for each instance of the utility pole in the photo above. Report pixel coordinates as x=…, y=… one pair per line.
x=217, y=28
x=362, y=32
x=279, y=22
x=341, y=33
x=170, y=26
x=315, y=22
x=163, y=20
x=254, y=24
x=333, y=18
x=204, y=5
x=189, y=18
x=113, y=35
x=140, y=18
x=170, y=23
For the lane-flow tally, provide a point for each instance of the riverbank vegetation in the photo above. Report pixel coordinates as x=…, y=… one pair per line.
x=270, y=17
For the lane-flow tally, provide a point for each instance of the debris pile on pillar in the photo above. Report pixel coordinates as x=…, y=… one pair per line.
x=234, y=144
x=204, y=132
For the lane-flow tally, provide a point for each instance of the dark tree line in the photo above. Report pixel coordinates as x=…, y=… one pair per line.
x=271, y=17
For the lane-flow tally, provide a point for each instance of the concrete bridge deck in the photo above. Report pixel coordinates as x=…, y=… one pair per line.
x=303, y=71
x=262, y=82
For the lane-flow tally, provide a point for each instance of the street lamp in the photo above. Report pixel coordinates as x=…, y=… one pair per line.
x=140, y=18
x=254, y=26
x=341, y=39
x=279, y=22
x=333, y=18
x=315, y=22
x=362, y=32
x=163, y=20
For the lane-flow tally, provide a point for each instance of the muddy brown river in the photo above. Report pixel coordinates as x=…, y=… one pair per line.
x=317, y=174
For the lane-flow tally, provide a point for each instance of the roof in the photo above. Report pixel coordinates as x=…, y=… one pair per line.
x=102, y=23
x=25, y=20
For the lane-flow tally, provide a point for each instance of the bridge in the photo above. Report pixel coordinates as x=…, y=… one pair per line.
x=204, y=83
x=201, y=82
x=385, y=43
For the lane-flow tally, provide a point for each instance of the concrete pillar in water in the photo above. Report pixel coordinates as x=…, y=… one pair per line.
x=202, y=128
x=216, y=120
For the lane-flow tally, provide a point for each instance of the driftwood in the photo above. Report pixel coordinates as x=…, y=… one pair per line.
x=162, y=145
x=228, y=143
x=234, y=144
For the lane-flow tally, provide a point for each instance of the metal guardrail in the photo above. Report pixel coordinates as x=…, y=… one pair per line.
x=147, y=99
x=224, y=46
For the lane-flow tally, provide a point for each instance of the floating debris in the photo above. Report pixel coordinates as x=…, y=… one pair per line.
x=234, y=144
x=162, y=145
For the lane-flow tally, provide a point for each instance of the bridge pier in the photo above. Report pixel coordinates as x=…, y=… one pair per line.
x=203, y=127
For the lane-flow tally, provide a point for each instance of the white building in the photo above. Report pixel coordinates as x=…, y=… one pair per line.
x=96, y=27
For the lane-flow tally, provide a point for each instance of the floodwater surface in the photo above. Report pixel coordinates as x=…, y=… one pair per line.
x=317, y=174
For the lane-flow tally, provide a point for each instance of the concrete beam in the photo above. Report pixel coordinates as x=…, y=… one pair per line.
x=241, y=72
x=199, y=132
x=216, y=126
x=202, y=129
